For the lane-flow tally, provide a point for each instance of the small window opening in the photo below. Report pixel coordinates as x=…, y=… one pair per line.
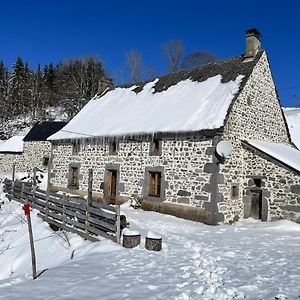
x=155, y=147
x=154, y=184
x=234, y=191
x=45, y=161
x=75, y=148
x=257, y=182
x=113, y=148
x=74, y=177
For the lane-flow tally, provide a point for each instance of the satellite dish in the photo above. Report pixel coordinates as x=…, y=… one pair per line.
x=224, y=148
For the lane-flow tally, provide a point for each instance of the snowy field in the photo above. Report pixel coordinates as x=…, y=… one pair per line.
x=246, y=260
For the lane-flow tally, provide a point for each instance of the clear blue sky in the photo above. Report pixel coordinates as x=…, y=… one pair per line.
x=44, y=31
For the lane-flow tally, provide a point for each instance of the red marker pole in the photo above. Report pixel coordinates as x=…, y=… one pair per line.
x=26, y=209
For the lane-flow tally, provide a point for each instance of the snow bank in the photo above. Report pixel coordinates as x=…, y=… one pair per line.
x=292, y=116
x=187, y=106
x=284, y=153
x=14, y=144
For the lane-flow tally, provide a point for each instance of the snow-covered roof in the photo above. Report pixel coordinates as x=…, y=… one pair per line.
x=292, y=116
x=188, y=101
x=286, y=154
x=13, y=144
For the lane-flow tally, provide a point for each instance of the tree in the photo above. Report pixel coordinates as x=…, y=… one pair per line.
x=173, y=51
x=16, y=85
x=4, y=77
x=77, y=81
x=197, y=59
x=134, y=65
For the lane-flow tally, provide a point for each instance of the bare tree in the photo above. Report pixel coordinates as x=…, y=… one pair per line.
x=197, y=59
x=151, y=72
x=173, y=51
x=134, y=65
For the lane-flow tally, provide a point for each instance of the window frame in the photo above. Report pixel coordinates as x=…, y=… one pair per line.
x=75, y=148
x=155, y=147
x=113, y=147
x=71, y=184
x=45, y=161
x=154, y=184
x=235, y=191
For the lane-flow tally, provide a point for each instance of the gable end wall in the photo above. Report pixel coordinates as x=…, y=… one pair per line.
x=255, y=114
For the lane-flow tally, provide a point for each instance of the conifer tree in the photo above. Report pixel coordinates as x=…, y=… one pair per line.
x=4, y=76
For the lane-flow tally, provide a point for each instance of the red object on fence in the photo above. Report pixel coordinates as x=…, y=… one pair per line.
x=26, y=209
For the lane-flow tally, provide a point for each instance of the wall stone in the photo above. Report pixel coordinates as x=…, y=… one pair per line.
x=256, y=114
x=183, y=161
x=282, y=184
x=32, y=156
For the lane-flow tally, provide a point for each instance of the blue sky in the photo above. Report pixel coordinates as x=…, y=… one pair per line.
x=44, y=31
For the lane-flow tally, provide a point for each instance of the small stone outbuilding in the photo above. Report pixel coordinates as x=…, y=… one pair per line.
x=159, y=141
x=31, y=150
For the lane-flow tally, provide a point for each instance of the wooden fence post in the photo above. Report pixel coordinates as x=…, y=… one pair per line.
x=13, y=172
x=118, y=223
x=27, y=213
x=64, y=209
x=89, y=198
x=34, y=177
x=90, y=186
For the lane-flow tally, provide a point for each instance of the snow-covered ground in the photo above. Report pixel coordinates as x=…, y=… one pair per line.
x=246, y=260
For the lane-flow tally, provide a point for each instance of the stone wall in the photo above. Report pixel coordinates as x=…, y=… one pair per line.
x=32, y=156
x=280, y=184
x=182, y=163
x=256, y=114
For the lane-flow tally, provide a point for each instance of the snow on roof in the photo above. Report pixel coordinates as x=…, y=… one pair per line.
x=286, y=154
x=186, y=106
x=14, y=144
x=292, y=116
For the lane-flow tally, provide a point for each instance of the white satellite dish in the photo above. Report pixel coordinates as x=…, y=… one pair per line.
x=224, y=148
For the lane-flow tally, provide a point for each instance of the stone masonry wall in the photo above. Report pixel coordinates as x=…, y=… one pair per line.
x=32, y=156
x=281, y=184
x=256, y=114
x=182, y=162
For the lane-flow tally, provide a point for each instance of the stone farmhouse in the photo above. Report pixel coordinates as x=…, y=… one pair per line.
x=209, y=144
x=29, y=151
x=11, y=153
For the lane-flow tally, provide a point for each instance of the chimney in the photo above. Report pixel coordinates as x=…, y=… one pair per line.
x=104, y=85
x=253, y=44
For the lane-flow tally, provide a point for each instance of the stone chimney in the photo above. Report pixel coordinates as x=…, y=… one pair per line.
x=253, y=44
x=105, y=85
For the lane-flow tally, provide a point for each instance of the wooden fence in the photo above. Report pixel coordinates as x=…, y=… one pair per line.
x=80, y=216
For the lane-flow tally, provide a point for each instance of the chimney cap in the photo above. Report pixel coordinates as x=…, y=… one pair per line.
x=253, y=32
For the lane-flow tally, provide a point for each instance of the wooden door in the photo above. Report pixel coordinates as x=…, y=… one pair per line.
x=112, y=186
x=256, y=205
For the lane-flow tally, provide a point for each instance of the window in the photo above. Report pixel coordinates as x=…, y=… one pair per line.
x=45, y=161
x=113, y=148
x=154, y=184
x=257, y=182
x=75, y=148
x=155, y=147
x=73, y=179
x=234, y=191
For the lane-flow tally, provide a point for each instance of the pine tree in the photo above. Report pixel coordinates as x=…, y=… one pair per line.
x=4, y=75
x=16, y=88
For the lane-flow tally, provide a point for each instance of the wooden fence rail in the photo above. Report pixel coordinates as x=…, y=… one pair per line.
x=80, y=216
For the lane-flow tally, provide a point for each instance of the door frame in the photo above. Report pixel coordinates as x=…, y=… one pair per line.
x=108, y=168
x=265, y=195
